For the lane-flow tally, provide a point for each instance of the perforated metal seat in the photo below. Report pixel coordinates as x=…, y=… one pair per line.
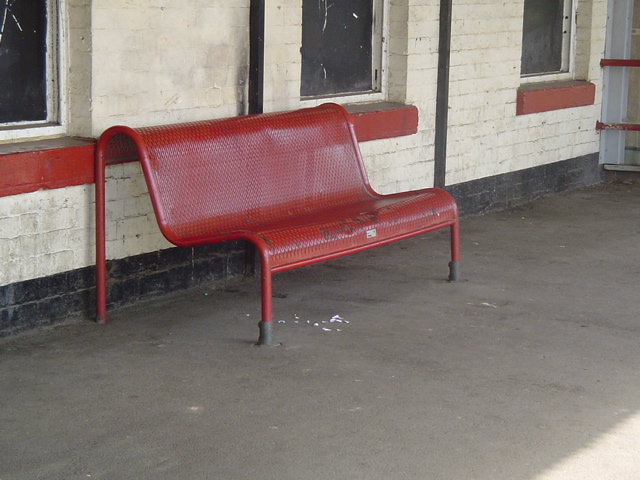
x=292, y=183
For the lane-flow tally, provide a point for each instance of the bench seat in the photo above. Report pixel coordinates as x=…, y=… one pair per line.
x=304, y=239
x=292, y=183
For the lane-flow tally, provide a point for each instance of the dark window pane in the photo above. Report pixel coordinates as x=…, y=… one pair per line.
x=23, y=56
x=336, y=46
x=542, y=36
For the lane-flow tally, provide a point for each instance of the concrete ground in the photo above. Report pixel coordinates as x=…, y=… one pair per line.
x=528, y=369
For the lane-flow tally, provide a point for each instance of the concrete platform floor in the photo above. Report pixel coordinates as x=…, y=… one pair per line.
x=528, y=369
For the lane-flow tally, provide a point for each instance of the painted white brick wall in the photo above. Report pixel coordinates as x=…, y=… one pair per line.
x=131, y=225
x=283, y=36
x=45, y=232
x=144, y=62
x=486, y=137
x=162, y=61
x=76, y=64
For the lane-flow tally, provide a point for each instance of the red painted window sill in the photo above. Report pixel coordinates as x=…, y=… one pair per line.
x=374, y=121
x=57, y=163
x=67, y=162
x=548, y=96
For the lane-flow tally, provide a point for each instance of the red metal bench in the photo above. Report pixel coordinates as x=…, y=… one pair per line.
x=291, y=183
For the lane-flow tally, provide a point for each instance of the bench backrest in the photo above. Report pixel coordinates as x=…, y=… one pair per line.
x=249, y=170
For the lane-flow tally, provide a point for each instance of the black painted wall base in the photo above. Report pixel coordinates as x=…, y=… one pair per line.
x=45, y=301
x=515, y=188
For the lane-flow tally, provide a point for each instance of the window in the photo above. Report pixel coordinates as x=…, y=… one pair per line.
x=546, y=37
x=28, y=83
x=341, y=47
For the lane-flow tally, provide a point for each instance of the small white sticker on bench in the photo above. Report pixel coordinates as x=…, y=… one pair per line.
x=371, y=233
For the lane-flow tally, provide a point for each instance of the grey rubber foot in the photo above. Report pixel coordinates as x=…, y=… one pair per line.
x=266, y=337
x=454, y=271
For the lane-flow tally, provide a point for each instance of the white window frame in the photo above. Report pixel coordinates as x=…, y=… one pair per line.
x=55, y=124
x=568, y=50
x=379, y=61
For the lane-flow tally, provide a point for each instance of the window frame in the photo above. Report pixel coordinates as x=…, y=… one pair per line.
x=567, y=69
x=379, y=62
x=54, y=124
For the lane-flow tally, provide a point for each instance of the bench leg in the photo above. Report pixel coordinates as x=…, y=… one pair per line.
x=454, y=264
x=101, y=249
x=266, y=337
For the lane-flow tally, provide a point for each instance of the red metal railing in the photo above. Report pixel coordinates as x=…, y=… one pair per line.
x=632, y=127
x=618, y=62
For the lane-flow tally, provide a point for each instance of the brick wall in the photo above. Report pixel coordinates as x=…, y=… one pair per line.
x=486, y=137
x=161, y=61
x=45, y=232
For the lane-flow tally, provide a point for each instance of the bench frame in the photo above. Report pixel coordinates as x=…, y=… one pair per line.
x=105, y=155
